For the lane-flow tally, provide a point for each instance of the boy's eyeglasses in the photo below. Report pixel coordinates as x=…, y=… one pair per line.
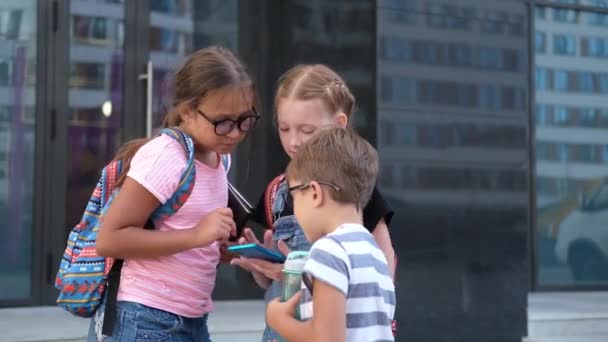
x=307, y=185
x=224, y=126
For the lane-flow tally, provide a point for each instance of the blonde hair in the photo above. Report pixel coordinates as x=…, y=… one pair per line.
x=316, y=81
x=338, y=156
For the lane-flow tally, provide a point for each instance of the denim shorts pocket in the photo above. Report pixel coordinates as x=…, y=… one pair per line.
x=154, y=325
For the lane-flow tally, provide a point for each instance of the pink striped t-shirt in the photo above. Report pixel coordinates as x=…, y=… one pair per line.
x=181, y=283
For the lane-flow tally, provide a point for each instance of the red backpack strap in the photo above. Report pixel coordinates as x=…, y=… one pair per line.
x=269, y=197
x=112, y=173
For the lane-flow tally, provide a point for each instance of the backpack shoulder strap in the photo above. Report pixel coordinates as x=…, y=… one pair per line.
x=187, y=180
x=109, y=178
x=269, y=196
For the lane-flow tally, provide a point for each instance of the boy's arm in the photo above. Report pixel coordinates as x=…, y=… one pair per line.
x=329, y=318
x=328, y=323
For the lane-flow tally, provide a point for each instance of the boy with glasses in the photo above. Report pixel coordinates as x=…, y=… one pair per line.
x=350, y=288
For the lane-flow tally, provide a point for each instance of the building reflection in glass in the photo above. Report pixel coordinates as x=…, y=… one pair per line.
x=339, y=34
x=571, y=115
x=95, y=81
x=17, y=125
x=452, y=136
x=177, y=28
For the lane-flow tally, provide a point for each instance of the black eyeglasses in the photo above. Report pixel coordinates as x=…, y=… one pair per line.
x=224, y=126
x=307, y=185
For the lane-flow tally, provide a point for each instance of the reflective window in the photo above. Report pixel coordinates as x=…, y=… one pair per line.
x=565, y=15
x=561, y=80
x=586, y=83
x=445, y=16
x=396, y=49
x=94, y=95
x=597, y=19
x=398, y=11
x=587, y=117
x=490, y=58
x=594, y=47
x=560, y=115
x=540, y=42
x=571, y=173
x=97, y=30
x=460, y=54
x=564, y=45
x=541, y=78
x=492, y=22
x=387, y=175
x=326, y=32
x=603, y=83
x=387, y=134
x=489, y=97
x=87, y=75
x=454, y=132
x=541, y=114
x=18, y=55
x=540, y=12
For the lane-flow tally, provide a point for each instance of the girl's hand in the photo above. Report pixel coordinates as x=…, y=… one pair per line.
x=249, y=237
x=267, y=269
x=277, y=312
x=218, y=225
x=263, y=271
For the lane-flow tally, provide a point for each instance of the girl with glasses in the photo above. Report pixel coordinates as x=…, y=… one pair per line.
x=169, y=272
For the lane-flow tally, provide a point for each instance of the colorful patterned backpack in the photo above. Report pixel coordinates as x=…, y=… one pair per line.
x=84, y=277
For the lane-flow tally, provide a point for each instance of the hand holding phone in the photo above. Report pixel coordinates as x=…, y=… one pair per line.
x=256, y=251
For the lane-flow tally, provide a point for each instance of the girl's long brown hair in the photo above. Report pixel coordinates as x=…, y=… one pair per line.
x=204, y=71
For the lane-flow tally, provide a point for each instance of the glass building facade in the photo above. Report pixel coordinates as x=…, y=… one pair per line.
x=490, y=117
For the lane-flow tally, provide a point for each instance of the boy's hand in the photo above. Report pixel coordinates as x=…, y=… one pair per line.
x=278, y=311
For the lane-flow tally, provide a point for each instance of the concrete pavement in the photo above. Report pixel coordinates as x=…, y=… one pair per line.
x=231, y=321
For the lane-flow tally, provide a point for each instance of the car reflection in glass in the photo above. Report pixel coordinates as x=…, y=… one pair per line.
x=582, y=241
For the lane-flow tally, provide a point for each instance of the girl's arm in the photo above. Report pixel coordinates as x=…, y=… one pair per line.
x=383, y=239
x=263, y=272
x=121, y=234
x=328, y=323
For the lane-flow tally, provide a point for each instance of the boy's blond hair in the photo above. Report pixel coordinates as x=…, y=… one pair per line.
x=340, y=157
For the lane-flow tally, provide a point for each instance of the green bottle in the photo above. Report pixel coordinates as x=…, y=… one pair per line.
x=292, y=275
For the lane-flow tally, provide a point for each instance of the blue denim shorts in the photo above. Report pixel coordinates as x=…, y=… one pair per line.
x=138, y=322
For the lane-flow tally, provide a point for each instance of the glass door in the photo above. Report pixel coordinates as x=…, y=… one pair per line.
x=95, y=96
x=18, y=52
x=70, y=71
x=85, y=96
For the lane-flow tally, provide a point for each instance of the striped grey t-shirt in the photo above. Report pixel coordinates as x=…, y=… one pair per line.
x=350, y=260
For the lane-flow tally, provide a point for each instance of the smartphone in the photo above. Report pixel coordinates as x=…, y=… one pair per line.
x=255, y=251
